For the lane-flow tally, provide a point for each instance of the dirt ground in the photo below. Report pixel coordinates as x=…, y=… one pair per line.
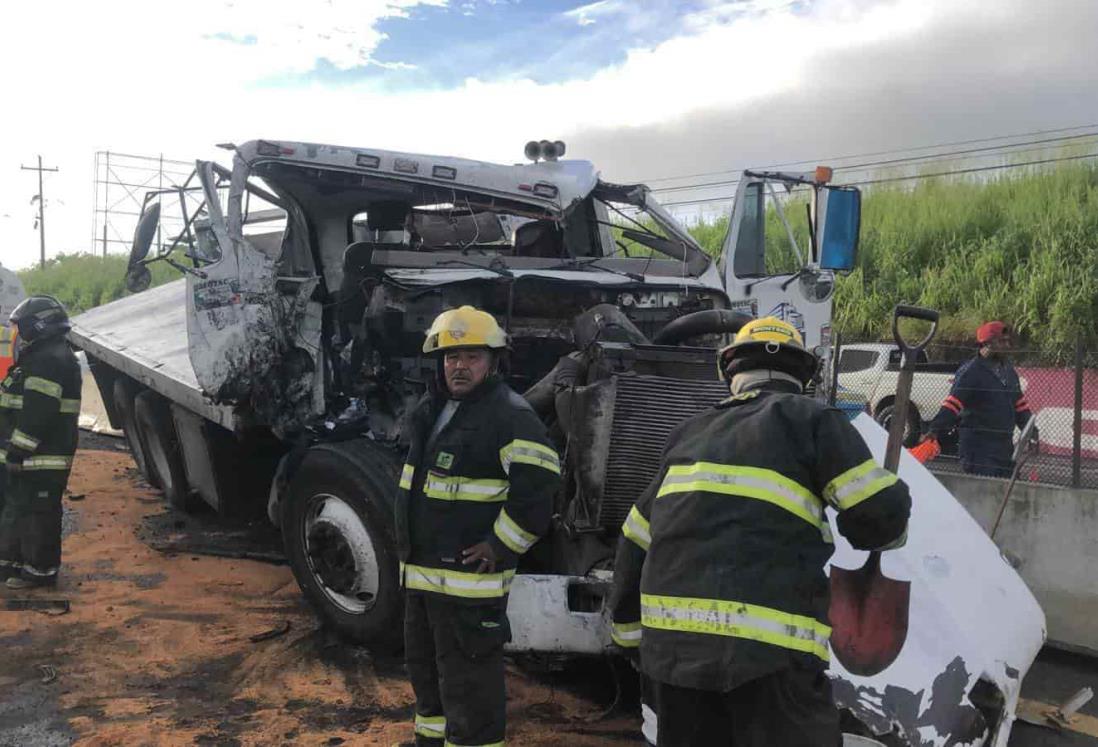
x=156, y=650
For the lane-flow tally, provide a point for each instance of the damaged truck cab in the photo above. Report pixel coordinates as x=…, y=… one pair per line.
x=311, y=274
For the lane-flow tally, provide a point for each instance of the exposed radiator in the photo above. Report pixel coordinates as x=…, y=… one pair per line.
x=646, y=409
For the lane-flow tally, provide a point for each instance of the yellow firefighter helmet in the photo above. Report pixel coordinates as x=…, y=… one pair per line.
x=767, y=343
x=464, y=327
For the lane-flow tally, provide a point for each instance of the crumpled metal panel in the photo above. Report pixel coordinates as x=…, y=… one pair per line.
x=970, y=618
x=249, y=340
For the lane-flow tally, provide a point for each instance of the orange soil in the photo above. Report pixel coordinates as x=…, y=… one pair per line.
x=156, y=650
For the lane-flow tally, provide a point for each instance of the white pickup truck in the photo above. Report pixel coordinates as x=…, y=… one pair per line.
x=871, y=370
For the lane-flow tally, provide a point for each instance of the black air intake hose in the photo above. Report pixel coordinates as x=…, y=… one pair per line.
x=708, y=322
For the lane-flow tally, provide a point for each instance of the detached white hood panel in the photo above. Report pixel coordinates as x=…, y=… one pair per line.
x=971, y=617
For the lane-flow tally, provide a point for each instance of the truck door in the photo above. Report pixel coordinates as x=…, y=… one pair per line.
x=253, y=332
x=767, y=258
x=787, y=235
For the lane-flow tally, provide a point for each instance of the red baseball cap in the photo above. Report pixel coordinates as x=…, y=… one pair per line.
x=991, y=330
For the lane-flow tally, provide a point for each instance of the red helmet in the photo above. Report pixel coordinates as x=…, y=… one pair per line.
x=990, y=331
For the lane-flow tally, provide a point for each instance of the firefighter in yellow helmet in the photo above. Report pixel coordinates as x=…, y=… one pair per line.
x=476, y=493
x=719, y=576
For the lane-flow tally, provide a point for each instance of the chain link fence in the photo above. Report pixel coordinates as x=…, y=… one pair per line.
x=1061, y=393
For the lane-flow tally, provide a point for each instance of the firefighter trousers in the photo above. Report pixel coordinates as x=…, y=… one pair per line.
x=454, y=657
x=791, y=708
x=30, y=526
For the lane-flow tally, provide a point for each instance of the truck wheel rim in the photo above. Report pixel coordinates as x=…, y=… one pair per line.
x=340, y=554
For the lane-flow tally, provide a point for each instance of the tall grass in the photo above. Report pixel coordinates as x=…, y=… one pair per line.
x=84, y=281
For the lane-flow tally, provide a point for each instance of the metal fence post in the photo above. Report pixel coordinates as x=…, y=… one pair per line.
x=1077, y=424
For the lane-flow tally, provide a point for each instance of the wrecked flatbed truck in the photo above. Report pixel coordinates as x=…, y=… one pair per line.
x=277, y=372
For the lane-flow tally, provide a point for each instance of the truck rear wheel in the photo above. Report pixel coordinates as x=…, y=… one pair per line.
x=156, y=430
x=125, y=393
x=337, y=530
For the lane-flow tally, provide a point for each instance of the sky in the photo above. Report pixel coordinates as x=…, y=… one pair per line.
x=644, y=89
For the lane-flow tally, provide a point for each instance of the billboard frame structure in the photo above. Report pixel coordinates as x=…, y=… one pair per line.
x=121, y=181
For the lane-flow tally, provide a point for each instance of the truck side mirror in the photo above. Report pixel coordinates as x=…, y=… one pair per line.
x=840, y=212
x=144, y=233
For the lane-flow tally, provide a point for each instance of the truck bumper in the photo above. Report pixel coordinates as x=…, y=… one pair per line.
x=558, y=614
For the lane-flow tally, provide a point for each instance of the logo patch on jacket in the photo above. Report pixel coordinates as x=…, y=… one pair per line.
x=445, y=460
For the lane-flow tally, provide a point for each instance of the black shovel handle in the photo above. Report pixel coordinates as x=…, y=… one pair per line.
x=909, y=352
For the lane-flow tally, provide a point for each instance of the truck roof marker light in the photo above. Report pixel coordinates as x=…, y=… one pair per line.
x=267, y=148
x=444, y=172
x=406, y=166
x=367, y=161
x=526, y=187
x=823, y=174
x=544, y=189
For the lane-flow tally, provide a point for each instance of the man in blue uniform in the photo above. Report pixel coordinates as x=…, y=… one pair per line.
x=986, y=401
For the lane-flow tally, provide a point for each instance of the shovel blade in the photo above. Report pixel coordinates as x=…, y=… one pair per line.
x=869, y=617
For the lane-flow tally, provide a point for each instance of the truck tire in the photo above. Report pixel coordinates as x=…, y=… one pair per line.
x=125, y=392
x=912, y=430
x=337, y=529
x=156, y=431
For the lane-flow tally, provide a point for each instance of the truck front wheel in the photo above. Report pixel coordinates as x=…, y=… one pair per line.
x=338, y=535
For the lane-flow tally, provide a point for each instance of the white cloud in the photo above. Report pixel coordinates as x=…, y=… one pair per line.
x=586, y=15
x=121, y=78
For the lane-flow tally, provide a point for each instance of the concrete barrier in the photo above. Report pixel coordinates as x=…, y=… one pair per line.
x=1051, y=533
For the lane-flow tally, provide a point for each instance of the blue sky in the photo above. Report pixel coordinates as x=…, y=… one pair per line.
x=545, y=41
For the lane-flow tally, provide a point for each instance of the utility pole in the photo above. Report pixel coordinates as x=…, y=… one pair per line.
x=41, y=209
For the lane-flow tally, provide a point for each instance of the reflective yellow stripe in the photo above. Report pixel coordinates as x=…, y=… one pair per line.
x=3, y=456
x=457, y=583
x=11, y=401
x=448, y=743
x=433, y=727
x=747, y=482
x=458, y=488
x=637, y=529
x=42, y=386
x=70, y=406
x=626, y=635
x=24, y=440
x=736, y=620
x=511, y=534
x=529, y=452
x=406, y=476
x=47, y=463
x=857, y=484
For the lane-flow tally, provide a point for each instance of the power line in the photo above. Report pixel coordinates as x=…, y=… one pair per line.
x=877, y=153
x=936, y=157
x=865, y=182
